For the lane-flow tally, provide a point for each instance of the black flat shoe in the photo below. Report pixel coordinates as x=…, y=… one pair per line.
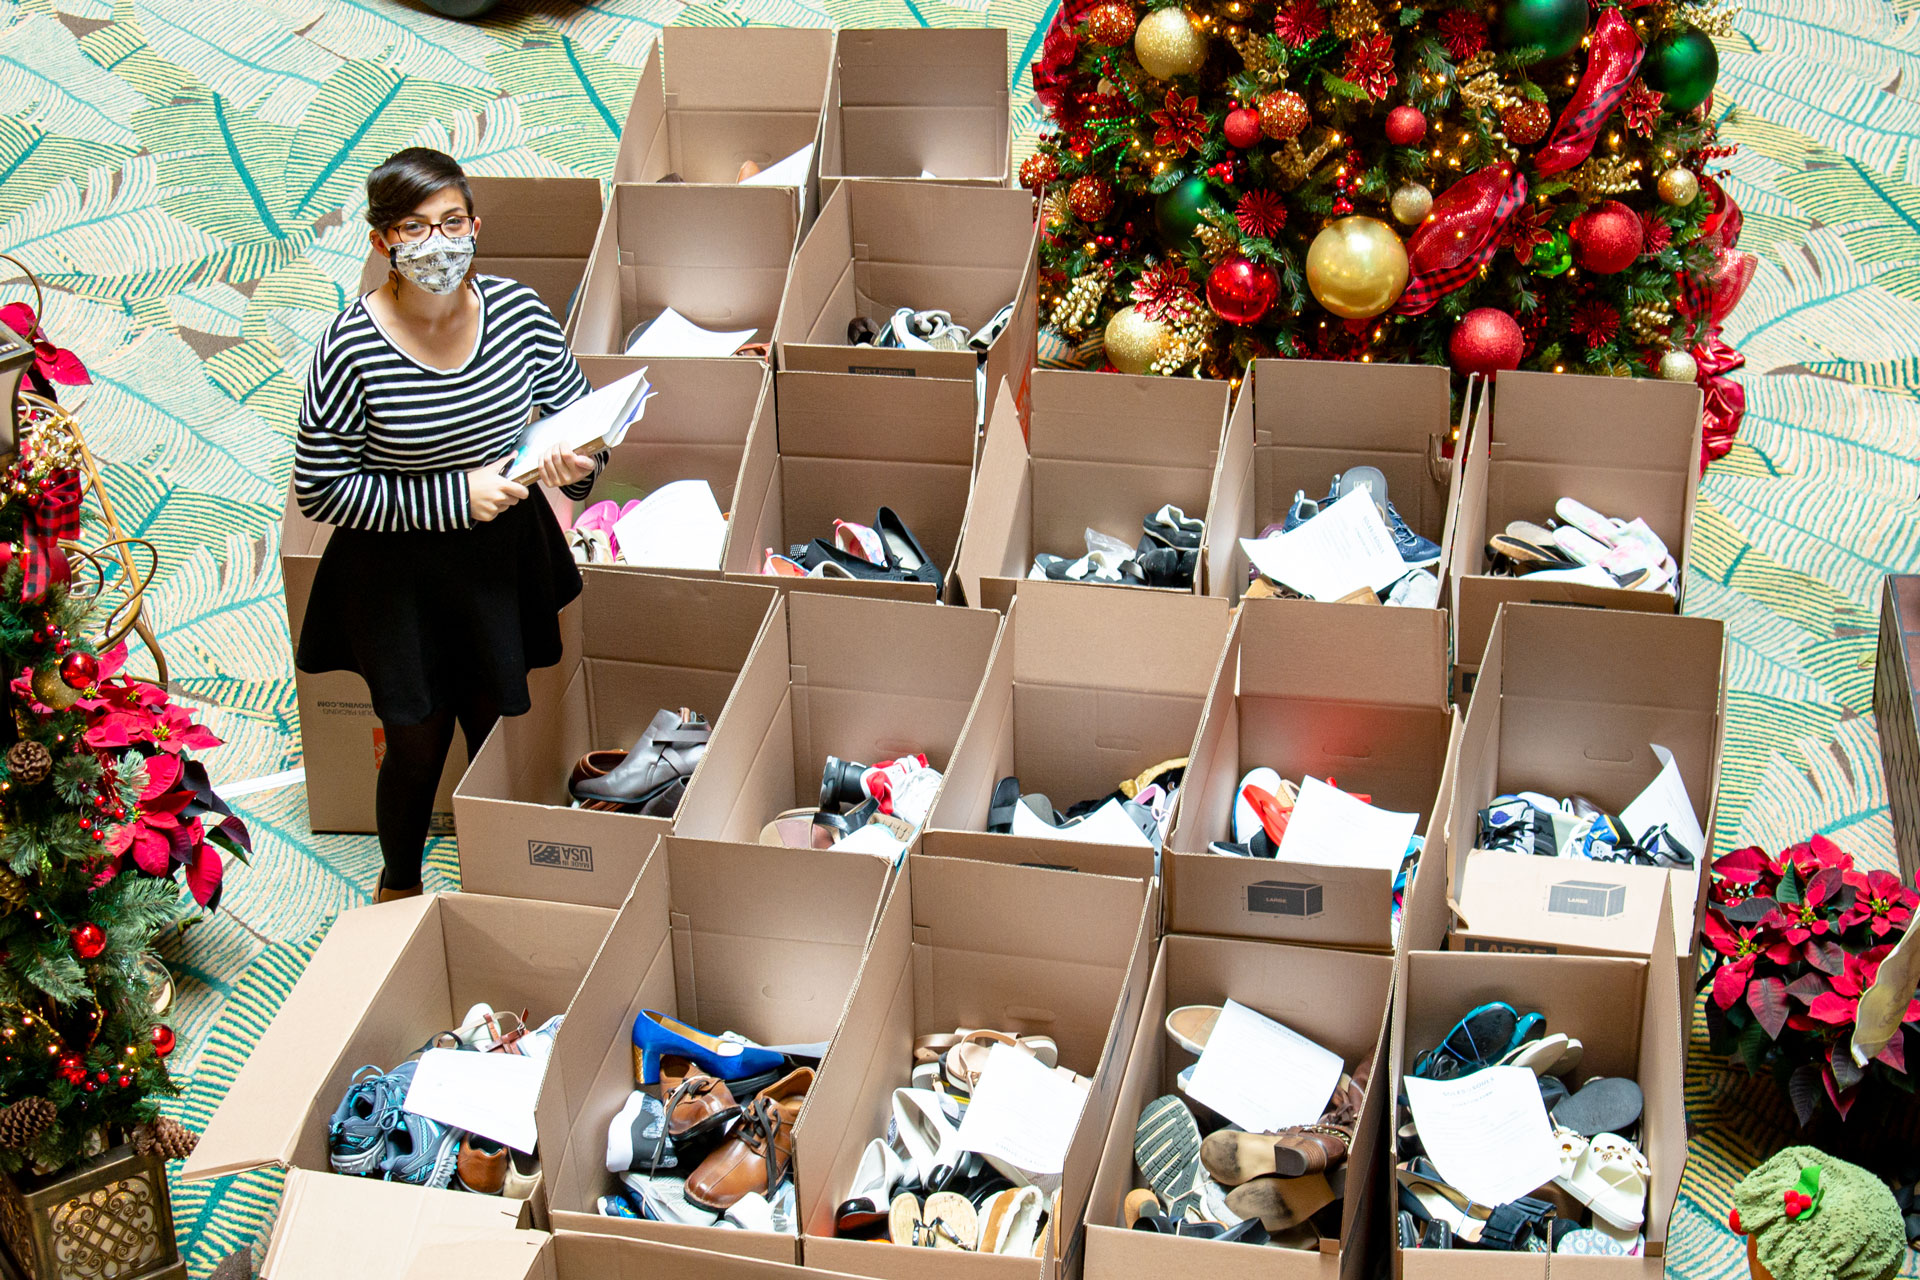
x=904, y=551
x=1006, y=798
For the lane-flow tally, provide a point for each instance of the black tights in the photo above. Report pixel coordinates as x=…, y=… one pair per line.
x=409, y=777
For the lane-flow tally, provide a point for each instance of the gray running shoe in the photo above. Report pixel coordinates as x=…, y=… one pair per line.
x=356, y=1136
x=418, y=1150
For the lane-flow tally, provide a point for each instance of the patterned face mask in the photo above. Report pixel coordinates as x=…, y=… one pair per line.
x=437, y=264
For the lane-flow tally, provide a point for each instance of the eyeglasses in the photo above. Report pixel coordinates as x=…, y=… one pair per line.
x=414, y=230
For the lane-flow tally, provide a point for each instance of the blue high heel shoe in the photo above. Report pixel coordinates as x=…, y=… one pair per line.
x=655, y=1035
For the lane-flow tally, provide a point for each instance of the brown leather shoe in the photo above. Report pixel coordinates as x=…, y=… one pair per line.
x=483, y=1165
x=697, y=1103
x=758, y=1154
x=1310, y=1148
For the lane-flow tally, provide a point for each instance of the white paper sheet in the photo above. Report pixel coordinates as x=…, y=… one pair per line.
x=790, y=172
x=1487, y=1133
x=1261, y=1075
x=604, y=415
x=491, y=1094
x=1666, y=801
x=672, y=334
x=677, y=526
x=1344, y=548
x=1109, y=824
x=1330, y=828
x=1022, y=1113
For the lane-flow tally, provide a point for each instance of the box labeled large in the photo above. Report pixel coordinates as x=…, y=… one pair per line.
x=921, y=103
x=686, y=945
x=650, y=643
x=1289, y=985
x=1352, y=693
x=1101, y=452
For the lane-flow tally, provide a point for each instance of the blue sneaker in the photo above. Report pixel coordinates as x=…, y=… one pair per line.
x=418, y=1150
x=1302, y=510
x=356, y=1138
x=616, y=1207
x=1415, y=551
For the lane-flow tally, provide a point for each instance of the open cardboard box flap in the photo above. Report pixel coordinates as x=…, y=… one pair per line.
x=574, y=1255
x=329, y=1226
x=1000, y=510
x=743, y=68
x=1075, y=636
x=1348, y=653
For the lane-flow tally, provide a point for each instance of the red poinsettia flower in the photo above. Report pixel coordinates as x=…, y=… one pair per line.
x=1744, y=873
x=1838, y=1007
x=1163, y=290
x=165, y=728
x=55, y=364
x=1742, y=947
x=1183, y=125
x=149, y=835
x=1641, y=107
x=1530, y=227
x=1880, y=900
x=1815, y=856
x=1812, y=916
x=1370, y=64
x=1299, y=21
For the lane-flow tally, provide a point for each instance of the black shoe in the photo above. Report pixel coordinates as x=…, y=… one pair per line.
x=840, y=783
x=1172, y=527
x=904, y=552
x=1006, y=798
x=1168, y=567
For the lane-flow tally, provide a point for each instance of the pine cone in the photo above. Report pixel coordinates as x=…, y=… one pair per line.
x=13, y=891
x=23, y=1121
x=30, y=763
x=167, y=1137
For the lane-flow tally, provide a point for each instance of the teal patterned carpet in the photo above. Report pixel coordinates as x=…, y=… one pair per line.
x=185, y=177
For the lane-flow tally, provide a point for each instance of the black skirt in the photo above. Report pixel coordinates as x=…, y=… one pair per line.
x=438, y=621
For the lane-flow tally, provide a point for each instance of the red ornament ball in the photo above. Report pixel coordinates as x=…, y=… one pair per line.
x=1037, y=170
x=1405, y=126
x=1240, y=290
x=1090, y=198
x=1486, y=340
x=1607, y=238
x=79, y=670
x=162, y=1039
x=124, y=1080
x=89, y=940
x=6, y=555
x=73, y=1069
x=1111, y=24
x=1526, y=123
x=1283, y=114
x=1242, y=129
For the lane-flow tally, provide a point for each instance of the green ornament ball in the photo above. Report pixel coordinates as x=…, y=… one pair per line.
x=1683, y=65
x=1553, y=25
x=1553, y=257
x=1176, y=214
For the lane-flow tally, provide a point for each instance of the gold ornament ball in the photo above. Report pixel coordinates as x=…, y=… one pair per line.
x=52, y=690
x=1412, y=203
x=1678, y=186
x=1135, y=341
x=1357, y=267
x=1169, y=44
x=1678, y=366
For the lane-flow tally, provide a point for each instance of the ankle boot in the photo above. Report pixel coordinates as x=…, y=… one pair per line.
x=1311, y=1148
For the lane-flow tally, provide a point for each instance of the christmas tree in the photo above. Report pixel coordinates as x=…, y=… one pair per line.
x=1416, y=181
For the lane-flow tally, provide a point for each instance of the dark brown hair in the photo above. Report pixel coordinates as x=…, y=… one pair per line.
x=407, y=179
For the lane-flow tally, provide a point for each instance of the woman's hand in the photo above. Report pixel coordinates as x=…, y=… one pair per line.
x=561, y=468
x=489, y=493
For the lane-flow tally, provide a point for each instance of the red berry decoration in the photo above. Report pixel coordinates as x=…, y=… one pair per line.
x=1111, y=24
x=72, y=1068
x=162, y=1039
x=1405, y=126
x=1242, y=127
x=1240, y=290
x=1090, y=198
x=1526, y=123
x=1607, y=238
x=89, y=940
x=1283, y=114
x=1486, y=340
x=124, y=1080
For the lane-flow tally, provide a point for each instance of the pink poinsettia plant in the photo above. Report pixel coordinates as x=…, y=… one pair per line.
x=1793, y=942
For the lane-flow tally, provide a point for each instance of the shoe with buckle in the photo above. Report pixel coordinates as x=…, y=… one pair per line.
x=667, y=753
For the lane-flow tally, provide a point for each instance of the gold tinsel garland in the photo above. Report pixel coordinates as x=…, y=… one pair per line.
x=13, y=890
x=1354, y=18
x=1216, y=242
x=1292, y=165
x=1600, y=176
x=1256, y=57
x=1079, y=308
x=1650, y=321
x=1714, y=18
x=1189, y=328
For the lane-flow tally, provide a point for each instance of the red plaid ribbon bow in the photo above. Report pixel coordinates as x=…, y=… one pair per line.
x=52, y=514
x=1708, y=300
x=1460, y=235
x=1614, y=57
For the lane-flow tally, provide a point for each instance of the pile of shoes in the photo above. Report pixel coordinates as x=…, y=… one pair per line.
x=1575, y=827
x=885, y=551
x=1419, y=588
x=1283, y=1188
x=912, y=330
x=372, y=1135
x=1168, y=555
x=1581, y=545
x=917, y=1187
x=1137, y=812
x=875, y=809
x=650, y=779
x=706, y=1139
x=1595, y=1125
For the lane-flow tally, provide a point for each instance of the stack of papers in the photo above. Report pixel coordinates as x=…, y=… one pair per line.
x=598, y=421
x=672, y=334
x=677, y=526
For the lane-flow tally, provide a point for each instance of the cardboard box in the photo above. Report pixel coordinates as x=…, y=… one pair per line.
x=716, y=254
x=1351, y=692
x=1289, y=985
x=979, y=944
x=1627, y=1014
x=863, y=680
x=1101, y=451
x=766, y=942
x=330, y=1226
x=909, y=102
x=844, y=447
x=1896, y=666
x=1624, y=446
x=648, y=642
x=385, y=980
x=1569, y=701
x=1087, y=688
x=539, y=231
x=1298, y=423
x=572, y=1255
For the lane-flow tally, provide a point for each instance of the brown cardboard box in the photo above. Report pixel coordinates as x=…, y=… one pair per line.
x=1087, y=688
x=573, y=1255
x=716, y=254
x=1626, y=1014
x=1568, y=702
x=980, y=944
x=538, y=231
x=1289, y=985
x=767, y=942
x=329, y=1226
x=911, y=101
x=1102, y=451
x=1624, y=446
x=1298, y=423
x=1350, y=692
x=386, y=979
x=864, y=680
x=648, y=642
x=845, y=446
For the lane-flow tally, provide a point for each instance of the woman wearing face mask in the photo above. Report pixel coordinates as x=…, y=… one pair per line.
x=443, y=579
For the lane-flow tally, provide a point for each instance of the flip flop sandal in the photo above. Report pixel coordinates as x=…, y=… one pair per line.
x=1611, y=1178
x=1372, y=477
x=1477, y=1039
x=1166, y=1146
x=1604, y=1104
x=1527, y=557
x=1192, y=1025
x=1538, y=1056
x=1441, y=1201
x=1006, y=798
x=964, y=1062
x=1553, y=1092
x=1281, y=1203
x=903, y=1219
x=948, y=1220
x=934, y=1047
x=791, y=829
x=1527, y=531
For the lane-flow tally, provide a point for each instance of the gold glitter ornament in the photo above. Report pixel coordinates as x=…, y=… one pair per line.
x=1134, y=341
x=1169, y=43
x=1283, y=114
x=1678, y=186
x=1411, y=204
x=1357, y=267
x=1354, y=18
x=1678, y=366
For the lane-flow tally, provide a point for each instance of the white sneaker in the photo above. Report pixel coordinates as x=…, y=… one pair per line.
x=1418, y=590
